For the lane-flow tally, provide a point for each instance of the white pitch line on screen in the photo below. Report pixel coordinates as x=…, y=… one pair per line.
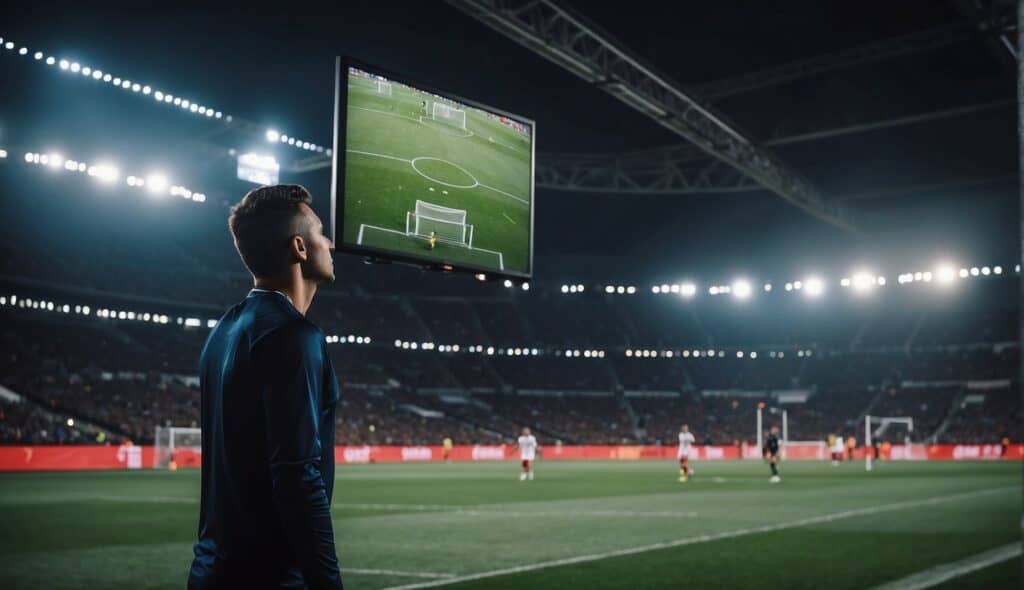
x=520, y=199
x=386, y=113
x=508, y=218
x=407, y=161
x=706, y=538
x=359, y=240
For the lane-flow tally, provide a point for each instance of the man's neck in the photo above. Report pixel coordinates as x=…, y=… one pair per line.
x=297, y=289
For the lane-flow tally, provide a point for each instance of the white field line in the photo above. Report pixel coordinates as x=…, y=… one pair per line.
x=706, y=538
x=509, y=218
x=943, y=573
x=379, y=156
x=385, y=113
x=520, y=199
x=359, y=240
x=375, y=572
x=494, y=510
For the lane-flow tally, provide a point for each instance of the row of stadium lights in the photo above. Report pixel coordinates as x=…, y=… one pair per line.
x=185, y=322
x=710, y=353
x=139, y=316
x=189, y=106
x=124, y=83
x=155, y=183
x=860, y=282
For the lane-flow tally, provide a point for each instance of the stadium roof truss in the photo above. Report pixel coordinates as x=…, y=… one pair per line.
x=579, y=46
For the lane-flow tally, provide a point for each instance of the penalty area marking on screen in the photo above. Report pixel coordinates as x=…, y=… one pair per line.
x=706, y=538
x=364, y=226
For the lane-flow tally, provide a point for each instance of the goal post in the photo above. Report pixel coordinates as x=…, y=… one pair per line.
x=448, y=114
x=384, y=87
x=447, y=224
x=177, y=446
x=872, y=434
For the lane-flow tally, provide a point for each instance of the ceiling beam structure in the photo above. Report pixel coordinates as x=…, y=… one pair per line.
x=575, y=44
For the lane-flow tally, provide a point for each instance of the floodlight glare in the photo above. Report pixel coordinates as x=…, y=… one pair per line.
x=863, y=281
x=986, y=270
x=945, y=274
x=273, y=135
x=997, y=270
x=688, y=289
x=814, y=287
x=741, y=289
x=156, y=183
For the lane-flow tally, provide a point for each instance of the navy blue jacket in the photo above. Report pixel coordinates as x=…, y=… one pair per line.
x=268, y=399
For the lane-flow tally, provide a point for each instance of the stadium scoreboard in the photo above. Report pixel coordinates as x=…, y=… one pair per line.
x=428, y=178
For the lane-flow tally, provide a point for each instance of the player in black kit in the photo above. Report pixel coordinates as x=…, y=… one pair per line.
x=771, y=452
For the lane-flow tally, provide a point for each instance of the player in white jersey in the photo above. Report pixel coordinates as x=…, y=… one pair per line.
x=686, y=440
x=527, y=453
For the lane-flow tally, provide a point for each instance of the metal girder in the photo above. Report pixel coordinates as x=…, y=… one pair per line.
x=579, y=46
x=774, y=76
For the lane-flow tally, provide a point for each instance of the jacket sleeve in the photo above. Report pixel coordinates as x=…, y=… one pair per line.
x=292, y=365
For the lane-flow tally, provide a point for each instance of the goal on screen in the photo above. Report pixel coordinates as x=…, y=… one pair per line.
x=447, y=224
x=383, y=87
x=177, y=446
x=448, y=114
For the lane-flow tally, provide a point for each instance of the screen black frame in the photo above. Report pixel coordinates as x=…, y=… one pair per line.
x=342, y=64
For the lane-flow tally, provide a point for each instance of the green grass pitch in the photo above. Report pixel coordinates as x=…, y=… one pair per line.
x=398, y=153
x=414, y=524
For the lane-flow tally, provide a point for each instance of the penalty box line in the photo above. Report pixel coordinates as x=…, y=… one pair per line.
x=362, y=226
x=705, y=538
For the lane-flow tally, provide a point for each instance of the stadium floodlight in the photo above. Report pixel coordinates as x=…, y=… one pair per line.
x=631, y=290
x=814, y=287
x=688, y=290
x=508, y=284
x=50, y=61
x=3, y=154
x=526, y=286
x=579, y=287
x=789, y=286
x=565, y=288
x=863, y=281
x=753, y=355
x=975, y=271
x=104, y=172
x=23, y=51
x=75, y=67
x=945, y=274
x=157, y=183
x=620, y=289
x=656, y=289
x=767, y=287
x=741, y=289
x=986, y=270
x=997, y=270
x=739, y=354
x=609, y=289
x=38, y=55
x=713, y=290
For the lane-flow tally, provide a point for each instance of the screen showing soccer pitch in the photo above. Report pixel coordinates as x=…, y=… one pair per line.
x=429, y=178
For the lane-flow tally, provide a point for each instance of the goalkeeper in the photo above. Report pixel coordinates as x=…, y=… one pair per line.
x=432, y=240
x=771, y=452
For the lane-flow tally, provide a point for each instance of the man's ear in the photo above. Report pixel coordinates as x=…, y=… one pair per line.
x=298, y=248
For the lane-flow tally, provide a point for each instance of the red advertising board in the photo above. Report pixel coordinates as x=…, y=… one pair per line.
x=70, y=458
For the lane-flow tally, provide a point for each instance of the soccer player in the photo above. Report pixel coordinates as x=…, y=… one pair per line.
x=851, y=446
x=447, y=445
x=686, y=440
x=838, y=449
x=527, y=453
x=432, y=240
x=771, y=452
x=268, y=394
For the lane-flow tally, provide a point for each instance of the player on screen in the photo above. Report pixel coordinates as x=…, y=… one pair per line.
x=686, y=440
x=770, y=451
x=432, y=240
x=527, y=453
x=447, y=445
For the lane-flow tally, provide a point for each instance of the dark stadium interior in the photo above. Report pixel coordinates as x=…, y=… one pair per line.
x=938, y=189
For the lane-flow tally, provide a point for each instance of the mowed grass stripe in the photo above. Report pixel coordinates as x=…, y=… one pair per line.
x=708, y=538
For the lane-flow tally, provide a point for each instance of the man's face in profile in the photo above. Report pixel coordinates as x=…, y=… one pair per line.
x=319, y=265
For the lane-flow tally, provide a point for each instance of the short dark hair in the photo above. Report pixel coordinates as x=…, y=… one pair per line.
x=263, y=222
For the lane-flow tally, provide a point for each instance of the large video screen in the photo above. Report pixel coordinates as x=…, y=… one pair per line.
x=426, y=177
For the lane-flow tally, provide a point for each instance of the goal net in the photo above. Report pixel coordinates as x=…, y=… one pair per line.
x=447, y=224
x=884, y=429
x=384, y=88
x=183, y=446
x=448, y=114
